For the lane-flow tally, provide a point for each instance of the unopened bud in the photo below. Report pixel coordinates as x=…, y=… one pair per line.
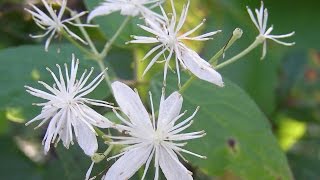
x=237, y=33
x=97, y=157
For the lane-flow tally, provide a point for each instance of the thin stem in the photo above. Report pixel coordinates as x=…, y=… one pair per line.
x=142, y=81
x=237, y=34
x=107, y=48
x=255, y=44
x=107, y=152
x=259, y=40
x=99, y=132
x=106, y=75
x=74, y=42
x=99, y=57
x=86, y=36
x=108, y=45
x=187, y=84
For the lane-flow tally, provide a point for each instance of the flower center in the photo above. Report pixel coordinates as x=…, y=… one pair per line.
x=170, y=40
x=67, y=101
x=134, y=2
x=158, y=137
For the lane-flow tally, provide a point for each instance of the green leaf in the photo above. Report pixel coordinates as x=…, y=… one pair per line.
x=25, y=65
x=239, y=138
x=73, y=161
x=4, y=125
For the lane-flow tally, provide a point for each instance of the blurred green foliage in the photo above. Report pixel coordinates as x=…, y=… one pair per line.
x=285, y=86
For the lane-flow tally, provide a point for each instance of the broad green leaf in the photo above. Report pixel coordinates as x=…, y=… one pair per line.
x=74, y=169
x=4, y=125
x=239, y=138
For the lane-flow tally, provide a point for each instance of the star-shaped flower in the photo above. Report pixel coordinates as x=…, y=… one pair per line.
x=148, y=138
x=126, y=8
x=171, y=40
x=53, y=23
x=261, y=23
x=67, y=111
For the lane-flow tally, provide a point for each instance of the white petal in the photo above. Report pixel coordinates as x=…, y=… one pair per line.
x=199, y=67
x=89, y=171
x=95, y=118
x=103, y=9
x=129, y=10
x=49, y=134
x=128, y=164
x=169, y=109
x=171, y=167
x=131, y=105
x=86, y=138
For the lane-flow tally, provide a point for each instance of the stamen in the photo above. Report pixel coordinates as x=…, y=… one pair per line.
x=152, y=110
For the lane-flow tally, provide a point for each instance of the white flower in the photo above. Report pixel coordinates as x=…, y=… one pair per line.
x=126, y=8
x=66, y=109
x=148, y=139
x=170, y=39
x=261, y=23
x=53, y=23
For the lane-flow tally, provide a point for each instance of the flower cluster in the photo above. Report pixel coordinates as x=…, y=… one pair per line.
x=143, y=136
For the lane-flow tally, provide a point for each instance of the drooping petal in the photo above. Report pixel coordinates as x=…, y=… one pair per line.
x=47, y=140
x=129, y=163
x=104, y=9
x=86, y=137
x=64, y=134
x=131, y=105
x=169, y=109
x=171, y=167
x=199, y=67
x=95, y=118
x=89, y=171
x=129, y=10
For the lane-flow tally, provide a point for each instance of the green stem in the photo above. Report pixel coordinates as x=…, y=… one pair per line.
x=99, y=132
x=142, y=84
x=187, y=84
x=107, y=152
x=86, y=36
x=256, y=43
x=237, y=34
x=108, y=45
x=99, y=57
x=75, y=43
x=106, y=75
